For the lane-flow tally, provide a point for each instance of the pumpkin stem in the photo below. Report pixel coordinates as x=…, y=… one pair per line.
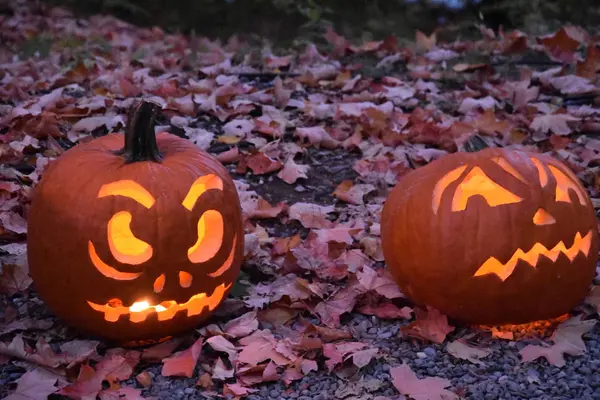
x=140, y=140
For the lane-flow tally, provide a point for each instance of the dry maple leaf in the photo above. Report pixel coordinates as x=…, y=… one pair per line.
x=237, y=389
x=291, y=171
x=387, y=311
x=259, y=347
x=26, y=324
x=161, y=350
x=557, y=123
x=317, y=136
x=342, y=302
x=429, y=325
x=430, y=388
x=353, y=193
x=183, y=362
x=261, y=164
x=241, y=326
x=567, y=340
x=460, y=349
x=219, y=343
x=562, y=44
x=124, y=393
x=33, y=385
x=221, y=372
x=591, y=64
x=311, y=215
x=379, y=281
x=13, y=279
x=43, y=354
x=87, y=385
x=337, y=352
x=572, y=84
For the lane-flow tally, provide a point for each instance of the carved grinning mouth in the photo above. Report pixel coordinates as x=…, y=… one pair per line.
x=139, y=311
x=503, y=271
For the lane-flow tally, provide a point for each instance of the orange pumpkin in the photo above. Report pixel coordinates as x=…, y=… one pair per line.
x=139, y=242
x=492, y=237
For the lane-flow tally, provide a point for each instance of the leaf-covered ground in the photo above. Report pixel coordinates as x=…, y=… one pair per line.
x=315, y=138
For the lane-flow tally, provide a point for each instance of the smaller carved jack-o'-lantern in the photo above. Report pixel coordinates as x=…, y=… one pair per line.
x=135, y=243
x=492, y=237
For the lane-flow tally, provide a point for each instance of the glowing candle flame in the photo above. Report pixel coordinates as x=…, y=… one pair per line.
x=139, y=306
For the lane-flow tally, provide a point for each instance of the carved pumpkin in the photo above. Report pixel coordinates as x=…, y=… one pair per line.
x=492, y=237
x=135, y=243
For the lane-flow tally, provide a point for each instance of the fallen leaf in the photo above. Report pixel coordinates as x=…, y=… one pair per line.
x=353, y=193
x=430, y=388
x=462, y=350
x=562, y=44
x=161, y=350
x=567, y=340
x=429, y=325
x=362, y=358
x=261, y=164
x=387, y=311
x=291, y=171
x=14, y=279
x=241, y=326
x=183, y=362
x=311, y=215
x=219, y=343
x=221, y=372
x=33, y=385
x=379, y=281
x=557, y=123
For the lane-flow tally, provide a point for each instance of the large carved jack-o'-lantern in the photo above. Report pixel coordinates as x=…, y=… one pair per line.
x=135, y=243
x=492, y=237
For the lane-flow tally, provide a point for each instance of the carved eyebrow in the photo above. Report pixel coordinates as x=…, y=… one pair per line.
x=200, y=186
x=128, y=188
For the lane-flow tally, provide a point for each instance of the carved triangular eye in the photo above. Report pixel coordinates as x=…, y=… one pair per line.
x=478, y=183
x=564, y=182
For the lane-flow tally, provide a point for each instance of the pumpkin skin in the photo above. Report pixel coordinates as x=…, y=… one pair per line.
x=452, y=230
x=109, y=229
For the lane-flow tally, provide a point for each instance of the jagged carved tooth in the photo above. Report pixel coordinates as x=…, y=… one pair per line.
x=111, y=314
x=169, y=312
x=140, y=316
x=196, y=305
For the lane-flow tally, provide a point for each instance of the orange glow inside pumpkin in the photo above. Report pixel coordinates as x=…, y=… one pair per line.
x=124, y=246
x=542, y=174
x=563, y=184
x=128, y=188
x=502, y=163
x=478, y=183
x=210, y=237
x=159, y=283
x=442, y=184
x=200, y=186
x=185, y=279
x=166, y=310
x=106, y=269
x=503, y=271
x=542, y=217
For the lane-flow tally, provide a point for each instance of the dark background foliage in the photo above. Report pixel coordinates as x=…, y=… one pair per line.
x=285, y=20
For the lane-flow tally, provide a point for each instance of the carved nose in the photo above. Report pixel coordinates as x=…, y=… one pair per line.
x=542, y=217
x=185, y=281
